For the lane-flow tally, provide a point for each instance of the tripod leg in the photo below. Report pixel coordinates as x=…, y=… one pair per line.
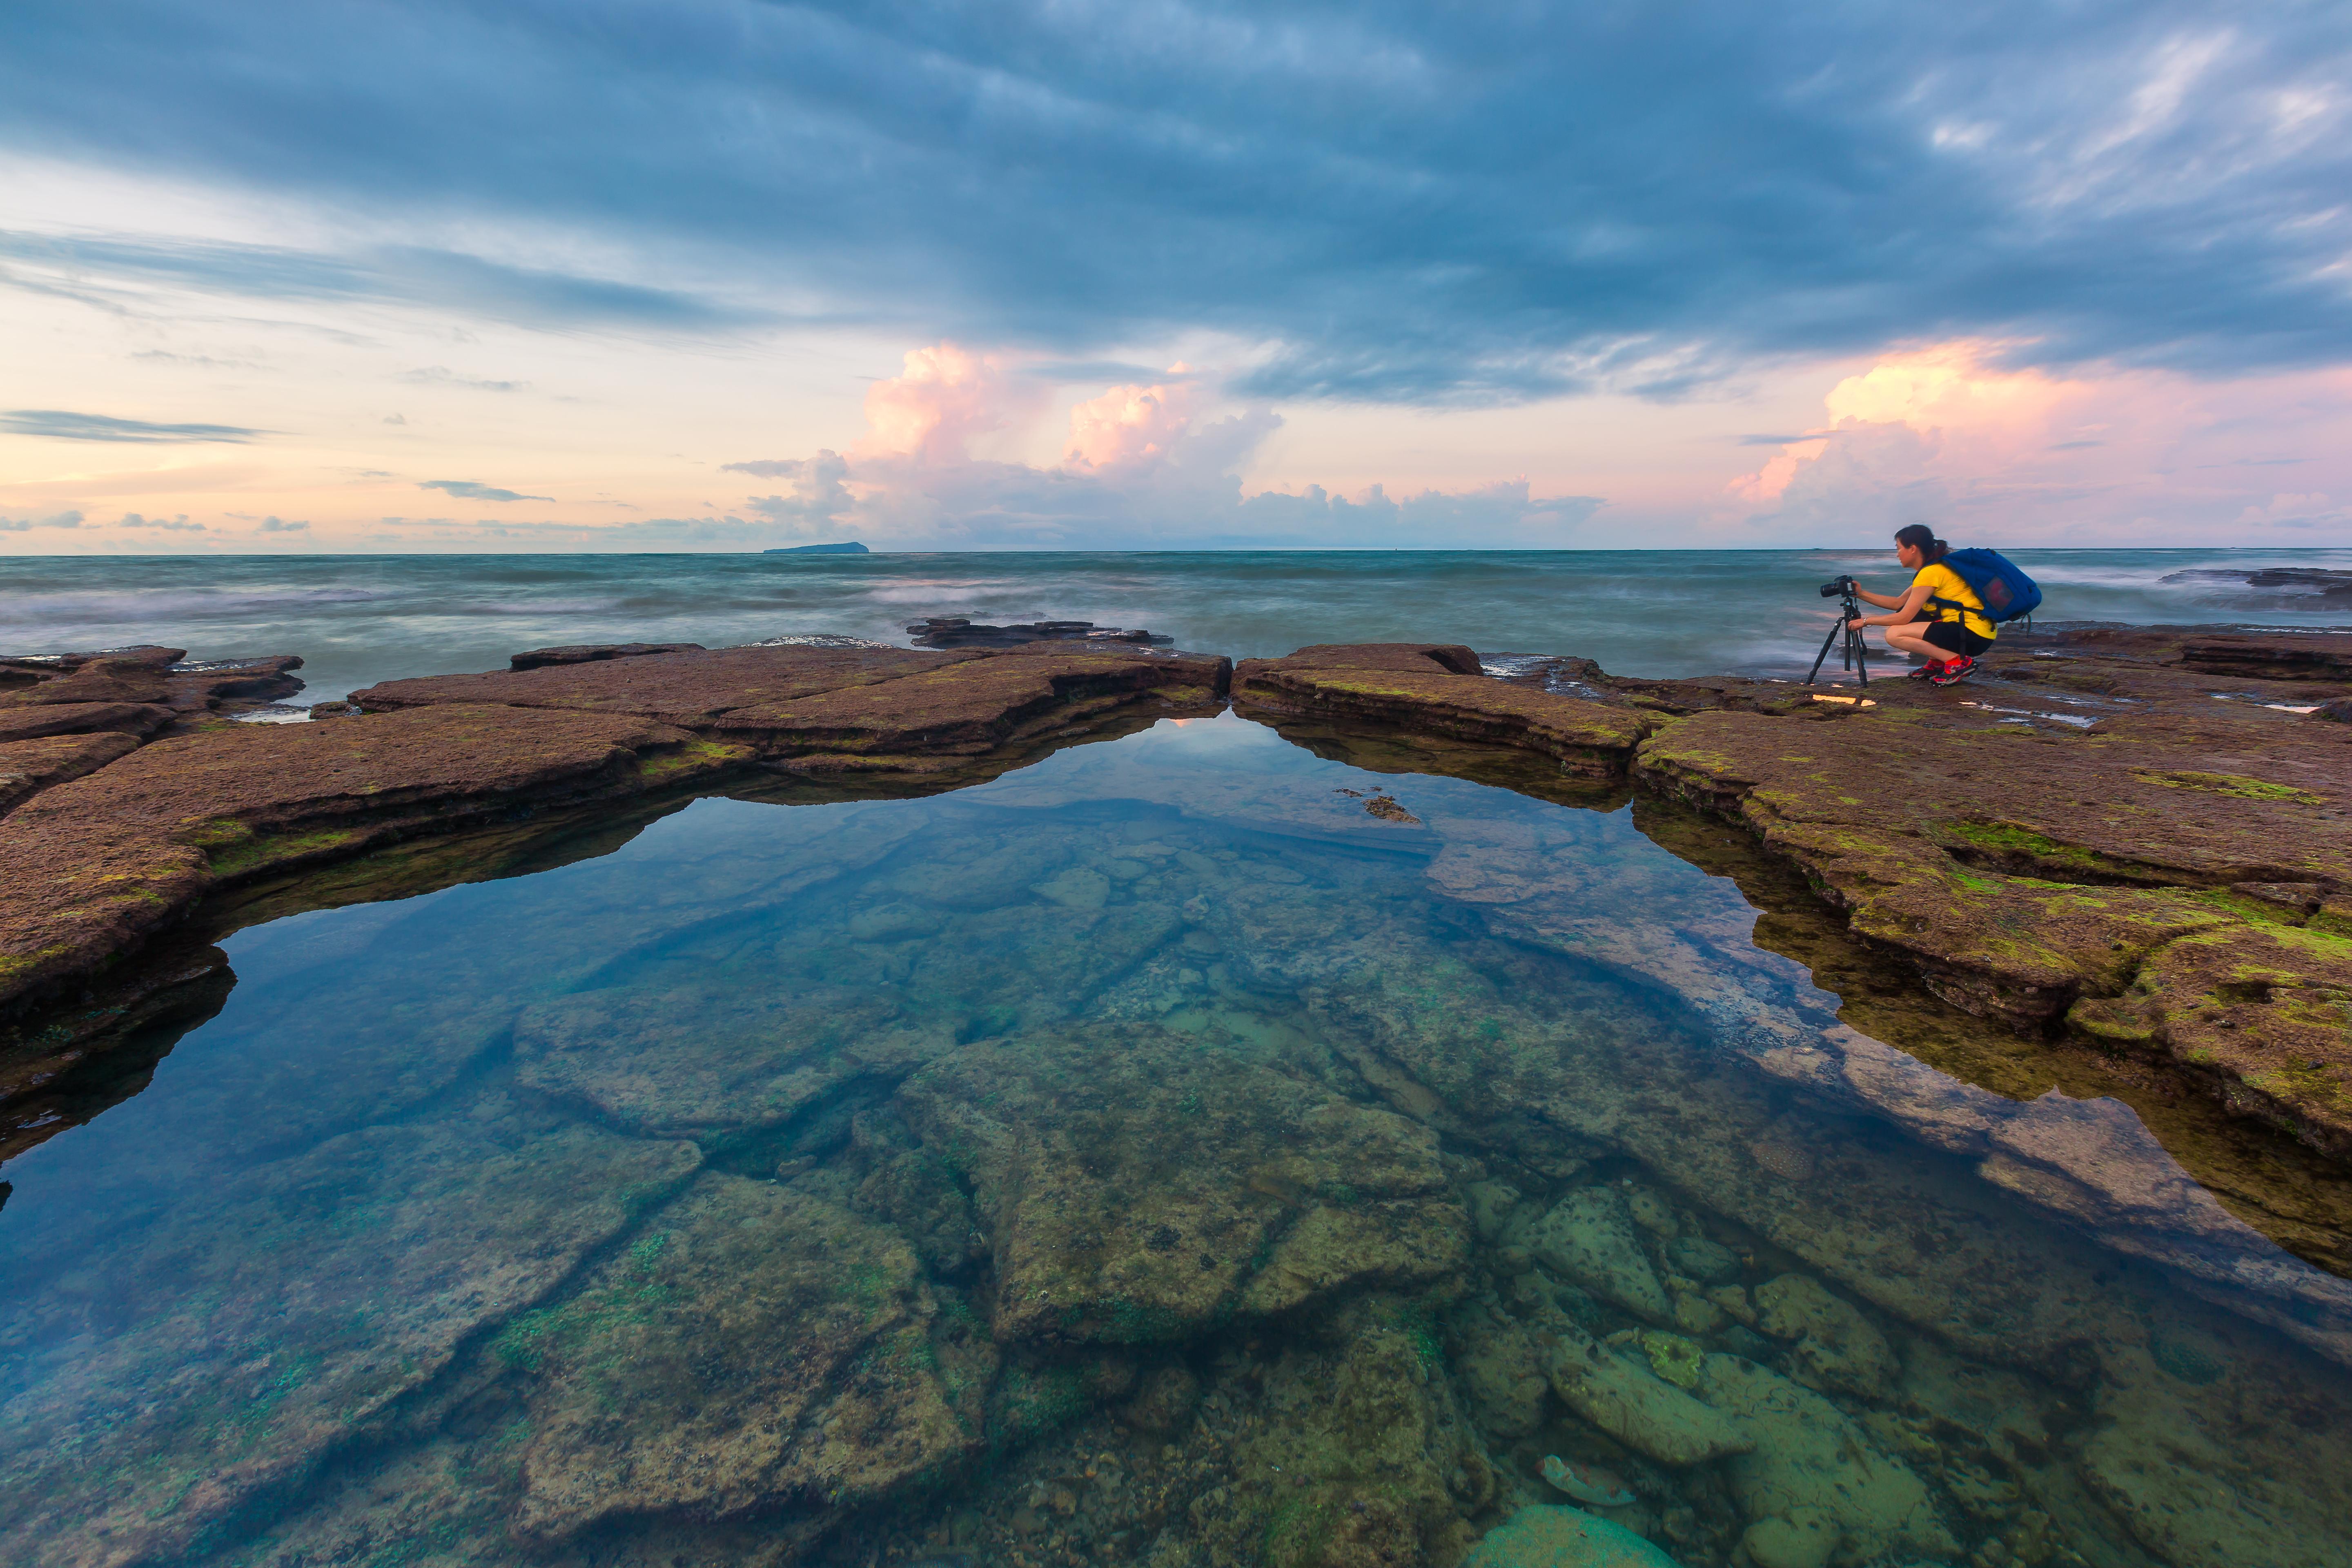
x=1815, y=674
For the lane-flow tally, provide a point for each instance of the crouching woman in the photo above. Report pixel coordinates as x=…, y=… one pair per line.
x=1939, y=618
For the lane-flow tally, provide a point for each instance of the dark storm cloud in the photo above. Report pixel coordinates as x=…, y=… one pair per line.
x=1405, y=202
x=58, y=425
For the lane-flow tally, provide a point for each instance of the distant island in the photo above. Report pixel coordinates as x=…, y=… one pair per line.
x=852, y=548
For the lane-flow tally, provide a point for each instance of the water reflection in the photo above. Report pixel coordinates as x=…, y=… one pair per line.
x=1186, y=1151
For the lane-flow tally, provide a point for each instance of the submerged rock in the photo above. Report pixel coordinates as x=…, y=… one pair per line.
x=1805, y=1454
x=1137, y=1188
x=1807, y=1538
x=1539, y=1537
x=758, y=1345
x=218, y=1361
x=1625, y=1399
x=2207, y=1475
x=1836, y=1345
x=1587, y=1483
x=647, y=1058
x=1356, y=1455
x=1589, y=1236
x=1501, y=1369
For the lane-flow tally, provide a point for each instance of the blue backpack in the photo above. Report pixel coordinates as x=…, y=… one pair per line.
x=2008, y=593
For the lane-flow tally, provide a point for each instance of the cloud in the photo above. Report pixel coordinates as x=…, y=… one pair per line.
x=279, y=525
x=818, y=495
x=1957, y=436
x=57, y=424
x=466, y=489
x=1143, y=465
x=944, y=399
x=101, y=269
x=1391, y=202
x=179, y=524
x=55, y=520
x=442, y=375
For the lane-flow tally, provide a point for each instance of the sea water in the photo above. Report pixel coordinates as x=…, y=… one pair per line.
x=1187, y=1151
x=357, y=619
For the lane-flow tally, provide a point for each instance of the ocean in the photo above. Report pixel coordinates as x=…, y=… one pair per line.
x=358, y=619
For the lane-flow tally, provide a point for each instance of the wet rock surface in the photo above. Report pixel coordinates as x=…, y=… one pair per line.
x=955, y=631
x=1441, y=688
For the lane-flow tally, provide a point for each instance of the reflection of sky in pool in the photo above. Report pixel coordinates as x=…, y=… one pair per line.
x=1153, y=1156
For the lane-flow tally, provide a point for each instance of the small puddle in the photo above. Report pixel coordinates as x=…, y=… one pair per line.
x=1187, y=1149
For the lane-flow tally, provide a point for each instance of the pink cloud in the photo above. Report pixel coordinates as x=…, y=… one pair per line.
x=945, y=397
x=1142, y=465
x=2122, y=457
x=1131, y=424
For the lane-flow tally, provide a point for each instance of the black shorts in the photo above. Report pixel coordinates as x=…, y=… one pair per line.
x=1955, y=638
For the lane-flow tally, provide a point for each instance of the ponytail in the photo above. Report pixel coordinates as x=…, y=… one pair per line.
x=1922, y=538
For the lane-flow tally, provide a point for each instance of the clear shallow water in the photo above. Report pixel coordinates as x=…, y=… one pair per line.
x=1155, y=1156
x=361, y=619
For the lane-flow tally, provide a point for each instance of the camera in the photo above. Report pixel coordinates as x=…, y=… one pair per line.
x=1838, y=587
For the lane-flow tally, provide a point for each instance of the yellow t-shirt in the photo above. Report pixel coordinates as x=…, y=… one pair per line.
x=1946, y=584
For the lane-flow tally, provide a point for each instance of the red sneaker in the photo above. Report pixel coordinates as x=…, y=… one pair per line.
x=1955, y=670
x=1927, y=671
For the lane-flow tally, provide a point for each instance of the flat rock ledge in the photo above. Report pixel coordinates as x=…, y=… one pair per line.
x=2142, y=837
x=131, y=792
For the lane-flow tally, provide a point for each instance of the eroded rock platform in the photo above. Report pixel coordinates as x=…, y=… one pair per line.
x=136, y=793
x=2140, y=835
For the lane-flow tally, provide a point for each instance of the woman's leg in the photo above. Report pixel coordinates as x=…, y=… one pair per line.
x=1911, y=639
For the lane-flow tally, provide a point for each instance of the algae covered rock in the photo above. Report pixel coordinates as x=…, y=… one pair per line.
x=1502, y=1369
x=1589, y=1236
x=219, y=1360
x=1358, y=1455
x=1708, y=1262
x=1491, y=1203
x=1807, y=1538
x=1805, y=1454
x=1541, y=1537
x=756, y=1345
x=1626, y=1398
x=1836, y=1345
x=1136, y=1187
x=2202, y=1487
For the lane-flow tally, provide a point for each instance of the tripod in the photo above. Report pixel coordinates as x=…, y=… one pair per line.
x=1854, y=656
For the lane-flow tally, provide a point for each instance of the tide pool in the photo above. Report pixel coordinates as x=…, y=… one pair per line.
x=1188, y=1150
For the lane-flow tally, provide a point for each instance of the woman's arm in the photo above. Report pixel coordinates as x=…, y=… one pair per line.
x=1904, y=607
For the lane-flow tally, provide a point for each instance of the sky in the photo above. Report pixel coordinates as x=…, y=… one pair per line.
x=653, y=275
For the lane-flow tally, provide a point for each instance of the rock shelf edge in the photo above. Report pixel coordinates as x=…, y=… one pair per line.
x=2138, y=837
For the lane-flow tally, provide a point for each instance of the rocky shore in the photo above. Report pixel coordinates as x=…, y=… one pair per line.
x=2134, y=837
x=133, y=793
x=2141, y=837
